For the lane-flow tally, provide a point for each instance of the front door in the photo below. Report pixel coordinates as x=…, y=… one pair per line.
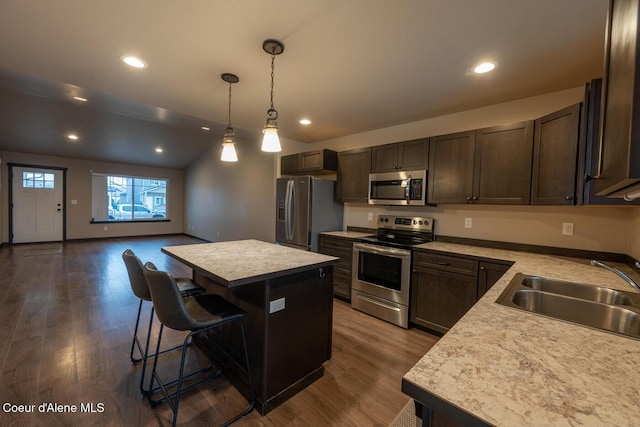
x=37, y=205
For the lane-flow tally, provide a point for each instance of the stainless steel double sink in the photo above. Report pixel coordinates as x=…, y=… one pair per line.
x=597, y=307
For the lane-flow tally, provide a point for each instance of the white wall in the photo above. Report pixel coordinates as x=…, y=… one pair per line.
x=79, y=188
x=634, y=234
x=231, y=201
x=493, y=115
x=595, y=228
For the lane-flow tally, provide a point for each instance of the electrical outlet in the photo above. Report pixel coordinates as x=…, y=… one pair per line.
x=276, y=305
x=106, y=228
x=567, y=229
x=370, y=216
x=468, y=223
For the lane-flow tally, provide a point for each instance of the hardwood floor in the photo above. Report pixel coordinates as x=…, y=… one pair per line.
x=66, y=322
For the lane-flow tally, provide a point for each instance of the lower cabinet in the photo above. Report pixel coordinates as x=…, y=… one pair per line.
x=342, y=248
x=488, y=274
x=444, y=287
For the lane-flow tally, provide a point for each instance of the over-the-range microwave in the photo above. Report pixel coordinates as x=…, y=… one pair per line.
x=398, y=188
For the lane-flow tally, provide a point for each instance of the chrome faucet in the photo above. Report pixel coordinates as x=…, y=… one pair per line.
x=628, y=279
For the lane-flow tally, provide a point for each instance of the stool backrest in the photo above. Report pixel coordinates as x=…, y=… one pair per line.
x=167, y=300
x=135, y=270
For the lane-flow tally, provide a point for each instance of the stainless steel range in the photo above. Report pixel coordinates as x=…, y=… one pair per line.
x=382, y=267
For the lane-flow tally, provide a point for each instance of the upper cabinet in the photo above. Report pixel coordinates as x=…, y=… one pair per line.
x=619, y=153
x=354, y=167
x=502, y=168
x=408, y=155
x=588, y=157
x=312, y=162
x=451, y=168
x=555, y=157
x=488, y=166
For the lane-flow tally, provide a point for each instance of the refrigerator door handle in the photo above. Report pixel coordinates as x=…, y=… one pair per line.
x=288, y=215
x=292, y=212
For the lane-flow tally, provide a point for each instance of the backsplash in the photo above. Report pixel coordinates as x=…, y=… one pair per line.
x=606, y=229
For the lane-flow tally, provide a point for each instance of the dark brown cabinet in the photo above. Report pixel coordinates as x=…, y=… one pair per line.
x=342, y=248
x=488, y=274
x=311, y=162
x=354, y=167
x=408, y=155
x=487, y=166
x=445, y=286
x=502, y=168
x=588, y=151
x=555, y=157
x=620, y=151
x=451, y=168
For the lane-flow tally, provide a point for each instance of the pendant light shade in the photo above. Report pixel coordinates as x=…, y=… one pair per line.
x=228, y=141
x=270, y=140
x=229, y=150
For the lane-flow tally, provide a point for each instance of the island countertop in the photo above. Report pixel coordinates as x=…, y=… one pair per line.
x=508, y=367
x=236, y=263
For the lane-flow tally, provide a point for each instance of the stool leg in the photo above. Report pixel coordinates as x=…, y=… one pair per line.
x=248, y=372
x=155, y=364
x=135, y=336
x=180, y=377
x=146, y=356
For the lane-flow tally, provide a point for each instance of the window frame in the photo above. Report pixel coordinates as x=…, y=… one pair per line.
x=128, y=183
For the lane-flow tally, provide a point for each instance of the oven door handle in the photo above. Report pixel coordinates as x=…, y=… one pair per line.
x=381, y=250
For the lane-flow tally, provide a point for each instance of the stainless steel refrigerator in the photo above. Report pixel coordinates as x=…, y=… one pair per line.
x=305, y=207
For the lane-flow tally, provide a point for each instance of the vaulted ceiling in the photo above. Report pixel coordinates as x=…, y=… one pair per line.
x=348, y=65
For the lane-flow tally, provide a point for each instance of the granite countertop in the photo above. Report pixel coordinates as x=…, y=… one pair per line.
x=240, y=262
x=347, y=234
x=509, y=367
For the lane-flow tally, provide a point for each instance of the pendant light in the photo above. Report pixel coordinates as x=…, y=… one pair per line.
x=228, y=141
x=270, y=141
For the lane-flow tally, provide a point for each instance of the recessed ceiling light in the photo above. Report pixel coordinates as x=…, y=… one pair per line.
x=79, y=98
x=305, y=122
x=72, y=136
x=484, y=67
x=159, y=150
x=205, y=128
x=134, y=62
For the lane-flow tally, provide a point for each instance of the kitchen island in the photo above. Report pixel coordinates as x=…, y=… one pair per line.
x=507, y=367
x=288, y=296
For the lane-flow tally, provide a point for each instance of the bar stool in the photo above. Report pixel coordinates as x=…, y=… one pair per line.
x=138, y=282
x=198, y=314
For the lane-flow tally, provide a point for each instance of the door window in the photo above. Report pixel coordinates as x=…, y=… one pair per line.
x=38, y=180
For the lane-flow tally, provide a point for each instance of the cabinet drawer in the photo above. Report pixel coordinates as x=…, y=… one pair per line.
x=335, y=243
x=446, y=263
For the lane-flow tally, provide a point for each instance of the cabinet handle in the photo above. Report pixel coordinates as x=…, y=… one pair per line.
x=483, y=268
x=569, y=197
x=475, y=198
x=443, y=263
x=468, y=198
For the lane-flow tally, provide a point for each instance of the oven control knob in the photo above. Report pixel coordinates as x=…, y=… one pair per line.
x=420, y=222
